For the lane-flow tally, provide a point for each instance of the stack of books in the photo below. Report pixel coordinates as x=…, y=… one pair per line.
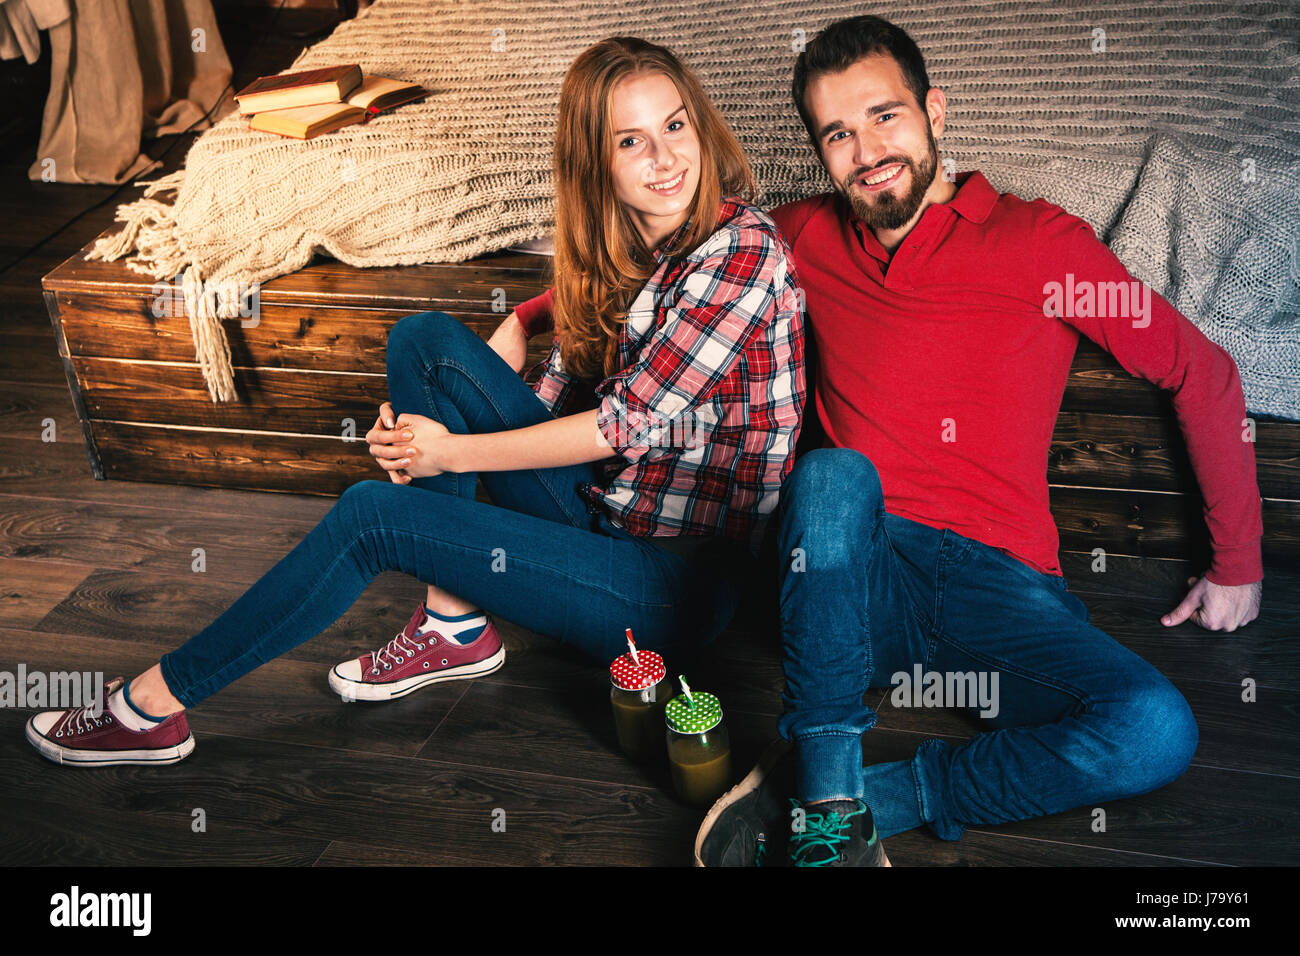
x=307, y=104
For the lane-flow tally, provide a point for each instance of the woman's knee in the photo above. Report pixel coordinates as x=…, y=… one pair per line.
x=416, y=337
x=362, y=506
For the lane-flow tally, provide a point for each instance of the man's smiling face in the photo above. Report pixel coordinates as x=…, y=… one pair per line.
x=876, y=141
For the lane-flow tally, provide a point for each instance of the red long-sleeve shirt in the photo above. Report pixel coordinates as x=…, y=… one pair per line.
x=944, y=367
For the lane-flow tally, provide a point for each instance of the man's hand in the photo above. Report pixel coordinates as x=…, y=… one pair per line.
x=510, y=342
x=1217, y=607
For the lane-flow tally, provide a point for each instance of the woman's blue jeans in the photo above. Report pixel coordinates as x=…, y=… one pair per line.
x=534, y=556
x=1076, y=719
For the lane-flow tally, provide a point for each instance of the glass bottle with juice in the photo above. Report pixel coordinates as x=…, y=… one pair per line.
x=640, y=687
x=699, y=748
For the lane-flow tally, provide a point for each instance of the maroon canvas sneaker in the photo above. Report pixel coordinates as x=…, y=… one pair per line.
x=413, y=660
x=77, y=738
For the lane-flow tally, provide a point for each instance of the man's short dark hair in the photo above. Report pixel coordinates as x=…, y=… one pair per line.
x=842, y=44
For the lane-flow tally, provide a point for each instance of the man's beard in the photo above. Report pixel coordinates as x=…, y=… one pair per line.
x=885, y=210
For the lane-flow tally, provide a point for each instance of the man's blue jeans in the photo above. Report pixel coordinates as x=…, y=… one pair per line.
x=866, y=594
x=535, y=556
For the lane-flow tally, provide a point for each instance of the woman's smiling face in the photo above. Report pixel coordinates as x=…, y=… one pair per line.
x=656, y=164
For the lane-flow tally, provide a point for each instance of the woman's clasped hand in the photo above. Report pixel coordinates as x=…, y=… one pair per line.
x=410, y=446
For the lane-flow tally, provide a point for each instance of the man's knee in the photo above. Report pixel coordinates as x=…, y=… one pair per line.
x=1171, y=737
x=1155, y=737
x=830, y=479
x=831, y=501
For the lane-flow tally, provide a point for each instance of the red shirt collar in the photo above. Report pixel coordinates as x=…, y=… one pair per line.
x=974, y=201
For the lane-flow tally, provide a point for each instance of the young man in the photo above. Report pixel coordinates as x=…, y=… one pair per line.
x=920, y=533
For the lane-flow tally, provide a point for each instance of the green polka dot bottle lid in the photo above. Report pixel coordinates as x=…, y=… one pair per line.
x=692, y=712
x=636, y=670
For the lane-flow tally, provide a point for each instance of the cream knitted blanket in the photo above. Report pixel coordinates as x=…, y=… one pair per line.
x=1173, y=129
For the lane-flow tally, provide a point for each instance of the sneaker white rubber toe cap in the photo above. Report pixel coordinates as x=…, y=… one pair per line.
x=350, y=670
x=43, y=723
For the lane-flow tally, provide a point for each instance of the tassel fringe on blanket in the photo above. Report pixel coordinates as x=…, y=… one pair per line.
x=151, y=232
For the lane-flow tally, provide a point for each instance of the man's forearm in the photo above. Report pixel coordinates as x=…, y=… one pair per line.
x=571, y=440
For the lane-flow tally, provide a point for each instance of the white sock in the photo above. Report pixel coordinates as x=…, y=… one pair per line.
x=451, y=627
x=126, y=716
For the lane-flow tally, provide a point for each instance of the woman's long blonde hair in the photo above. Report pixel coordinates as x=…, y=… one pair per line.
x=601, y=261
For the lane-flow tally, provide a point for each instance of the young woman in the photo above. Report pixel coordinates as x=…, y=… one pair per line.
x=625, y=485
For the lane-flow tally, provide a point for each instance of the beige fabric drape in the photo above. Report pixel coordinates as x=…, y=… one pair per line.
x=21, y=23
x=123, y=69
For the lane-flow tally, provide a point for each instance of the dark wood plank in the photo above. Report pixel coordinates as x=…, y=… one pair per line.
x=31, y=357
x=1164, y=580
x=312, y=403
x=312, y=793
x=356, y=853
x=1156, y=524
x=258, y=461
x=24, y=409
x=36, y=832
x=1264, y=650
x=58, y=471
x=232, y=458
x=22, y=295
x=44, y=208
x=1107, y=450
x=122, y=536
x=1098, y=383
x=30, y=589
x=469, y=286
x=347, y=338
x=1262, y=736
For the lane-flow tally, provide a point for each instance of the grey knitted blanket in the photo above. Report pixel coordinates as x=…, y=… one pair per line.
x=1173, y=129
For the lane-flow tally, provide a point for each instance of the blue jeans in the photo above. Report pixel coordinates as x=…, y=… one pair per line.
x=536, y=555
x=866, y=595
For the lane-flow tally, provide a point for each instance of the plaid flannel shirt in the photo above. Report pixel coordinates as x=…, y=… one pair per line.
x=705, y=412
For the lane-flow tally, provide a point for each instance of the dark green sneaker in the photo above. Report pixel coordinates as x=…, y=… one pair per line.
x=750, y=823
x=842, y=834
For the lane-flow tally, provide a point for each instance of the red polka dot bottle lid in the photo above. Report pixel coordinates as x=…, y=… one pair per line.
x=636, y=670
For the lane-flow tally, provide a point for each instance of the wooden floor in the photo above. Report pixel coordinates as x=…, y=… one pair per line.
x=97, y=576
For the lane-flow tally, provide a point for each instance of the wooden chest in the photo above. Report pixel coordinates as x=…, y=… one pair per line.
x=309, y=368
x=310, y=377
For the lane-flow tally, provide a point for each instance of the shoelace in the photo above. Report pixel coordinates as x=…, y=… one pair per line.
x=80, y=721
x=397, y=653
x=829, y=831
